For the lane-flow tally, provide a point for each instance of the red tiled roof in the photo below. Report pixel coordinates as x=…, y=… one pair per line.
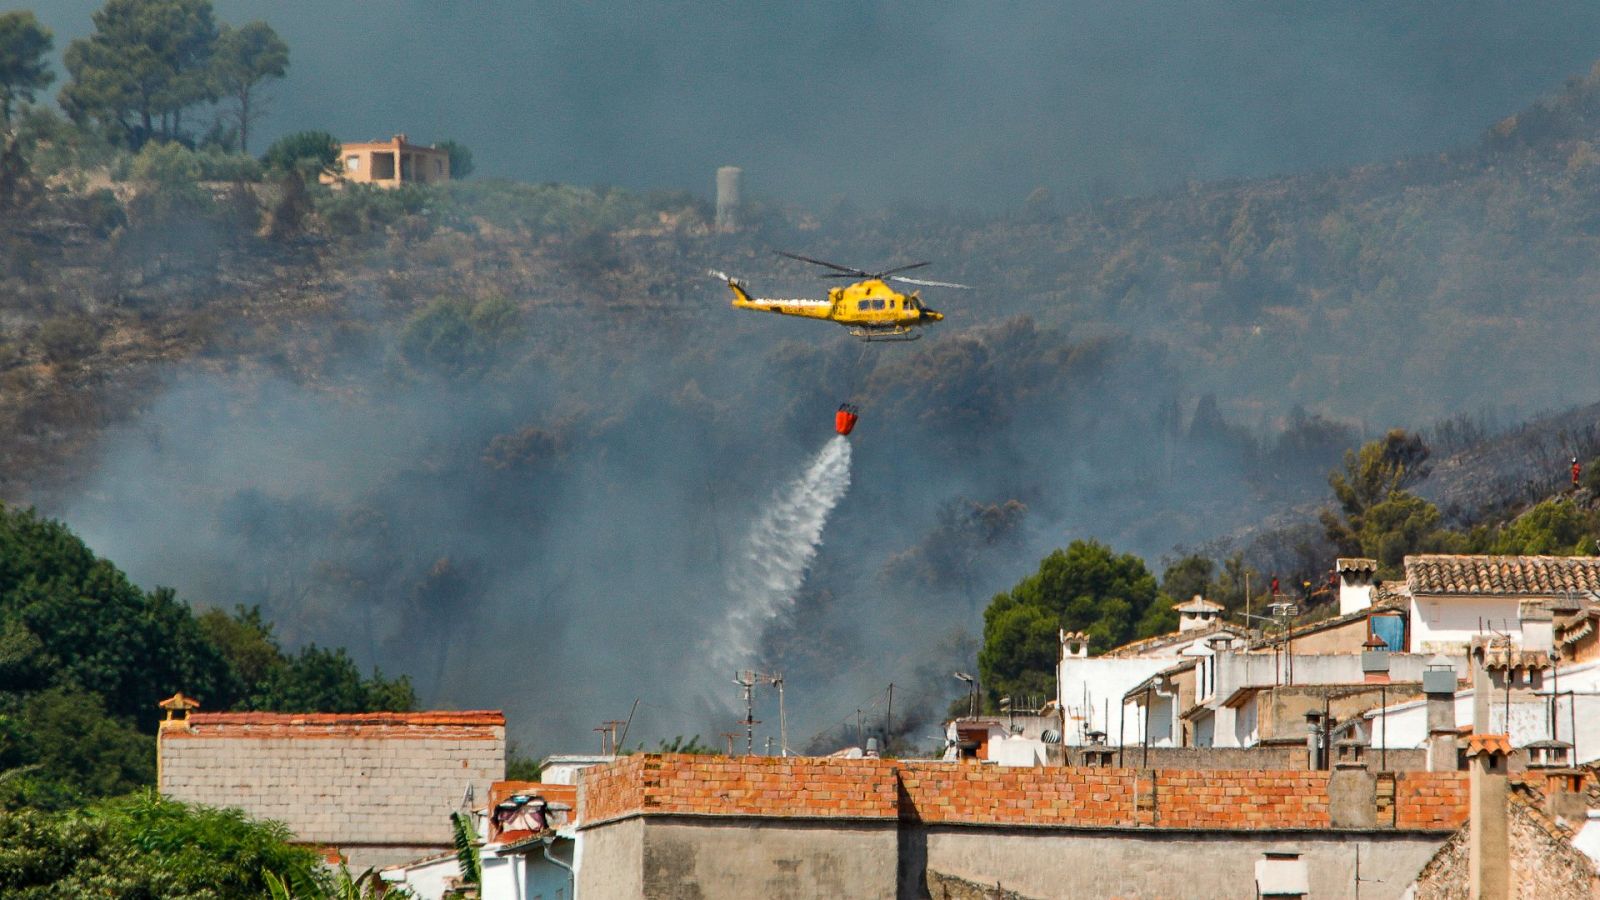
x=1488, y=743
x=464, y=717
x=1501, y=575
x=475, y=725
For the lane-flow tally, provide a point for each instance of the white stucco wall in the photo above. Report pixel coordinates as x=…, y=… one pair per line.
x=1449, y=623
x=1407, y=723
x=1090, y=687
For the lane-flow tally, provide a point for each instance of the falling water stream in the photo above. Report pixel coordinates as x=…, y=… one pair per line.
x=772, y=562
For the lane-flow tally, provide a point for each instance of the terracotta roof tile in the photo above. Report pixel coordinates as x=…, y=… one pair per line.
x=1488, y=743
x=1501, y=575
x=465, y=717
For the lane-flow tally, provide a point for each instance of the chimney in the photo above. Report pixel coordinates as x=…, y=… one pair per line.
x=1074, y=645
x=1355, y=583
x=1538, y=628
x=1198, y=613
x=728, y=178
x=1489, y=844
x=1439, y=686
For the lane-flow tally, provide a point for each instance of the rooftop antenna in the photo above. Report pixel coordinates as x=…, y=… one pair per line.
x=776, y=680
x=747, y=682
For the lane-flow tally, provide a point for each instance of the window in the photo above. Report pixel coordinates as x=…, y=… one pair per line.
x=878, y=303
x=863, y=305
x=352, y=163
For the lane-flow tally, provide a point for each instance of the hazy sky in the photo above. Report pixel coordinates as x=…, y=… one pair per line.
x=974, y=103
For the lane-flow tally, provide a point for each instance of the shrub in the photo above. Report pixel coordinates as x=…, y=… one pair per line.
x=314, y=150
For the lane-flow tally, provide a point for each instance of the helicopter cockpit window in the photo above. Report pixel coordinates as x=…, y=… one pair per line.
x=878, y=303
x=863, y=305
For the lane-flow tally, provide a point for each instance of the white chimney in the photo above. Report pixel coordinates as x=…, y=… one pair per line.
x=1538, y=629
x=1355, y=584
x=1074, y=645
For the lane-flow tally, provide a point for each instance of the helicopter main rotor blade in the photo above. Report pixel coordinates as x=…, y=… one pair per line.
x=905, y=268
x=926, y=283
x=820, y=262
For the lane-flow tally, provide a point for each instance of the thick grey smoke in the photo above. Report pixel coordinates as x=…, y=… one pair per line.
x=965, y=104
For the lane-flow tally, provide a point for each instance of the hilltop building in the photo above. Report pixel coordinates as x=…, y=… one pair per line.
x=390, y=163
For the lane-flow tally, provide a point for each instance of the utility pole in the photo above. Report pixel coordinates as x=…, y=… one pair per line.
x=888, y=720
x=730, y=735
x=612, y=726
x=605, y=732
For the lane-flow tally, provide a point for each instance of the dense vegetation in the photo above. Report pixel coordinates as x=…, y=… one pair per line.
x=85, y=655
x=143, y=846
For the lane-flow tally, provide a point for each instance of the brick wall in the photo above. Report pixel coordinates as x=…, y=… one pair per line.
x=956, y=793
x=1431, y=800
x=372, y=781
x=739, y=786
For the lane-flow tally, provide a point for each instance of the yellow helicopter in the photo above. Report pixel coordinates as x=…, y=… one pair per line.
x=870, y=308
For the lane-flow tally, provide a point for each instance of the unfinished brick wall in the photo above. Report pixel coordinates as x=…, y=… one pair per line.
x=936, y=793
x=739, y=786
x=1431, y=800
x=379, y=786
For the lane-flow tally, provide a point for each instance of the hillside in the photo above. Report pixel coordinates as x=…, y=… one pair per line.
x=409, y=418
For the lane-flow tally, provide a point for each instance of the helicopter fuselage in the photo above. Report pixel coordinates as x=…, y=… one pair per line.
x=869, y=308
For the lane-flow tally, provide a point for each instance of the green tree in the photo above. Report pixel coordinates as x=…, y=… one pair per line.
x=460, y=158
x=244, y=58
x=98, y=631
x=148, y=847
x=303, y=151
x=1368, y=477
x=1188, y=576
x=321, y=680
x=77, y=752
x=146, y=62
x=245, y=639
x=1086, y=587
x=24, y=44
x=1554, y=528
x=455, y=337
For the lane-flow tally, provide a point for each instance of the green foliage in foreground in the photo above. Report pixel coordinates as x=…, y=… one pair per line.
x=85, y=656
x=147, y=847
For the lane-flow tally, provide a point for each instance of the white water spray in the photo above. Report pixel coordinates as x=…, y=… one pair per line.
x=772, y=563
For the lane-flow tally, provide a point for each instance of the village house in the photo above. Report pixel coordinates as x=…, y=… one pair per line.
x=374, y=788
x=389, y=163
x=1091, y=689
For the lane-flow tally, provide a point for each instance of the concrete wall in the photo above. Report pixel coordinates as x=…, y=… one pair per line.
x=610, y=860
x=708, y=859
x=1132, y=864
x=379, y=789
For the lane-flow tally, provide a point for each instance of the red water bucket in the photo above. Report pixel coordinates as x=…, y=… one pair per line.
x=844, y=420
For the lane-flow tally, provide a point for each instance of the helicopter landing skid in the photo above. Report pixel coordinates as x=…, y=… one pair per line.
x=896, y=333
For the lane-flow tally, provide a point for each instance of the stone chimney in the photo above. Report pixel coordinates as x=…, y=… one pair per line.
x=1489, y=841
x=1439, y=686
x=1355, y=583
